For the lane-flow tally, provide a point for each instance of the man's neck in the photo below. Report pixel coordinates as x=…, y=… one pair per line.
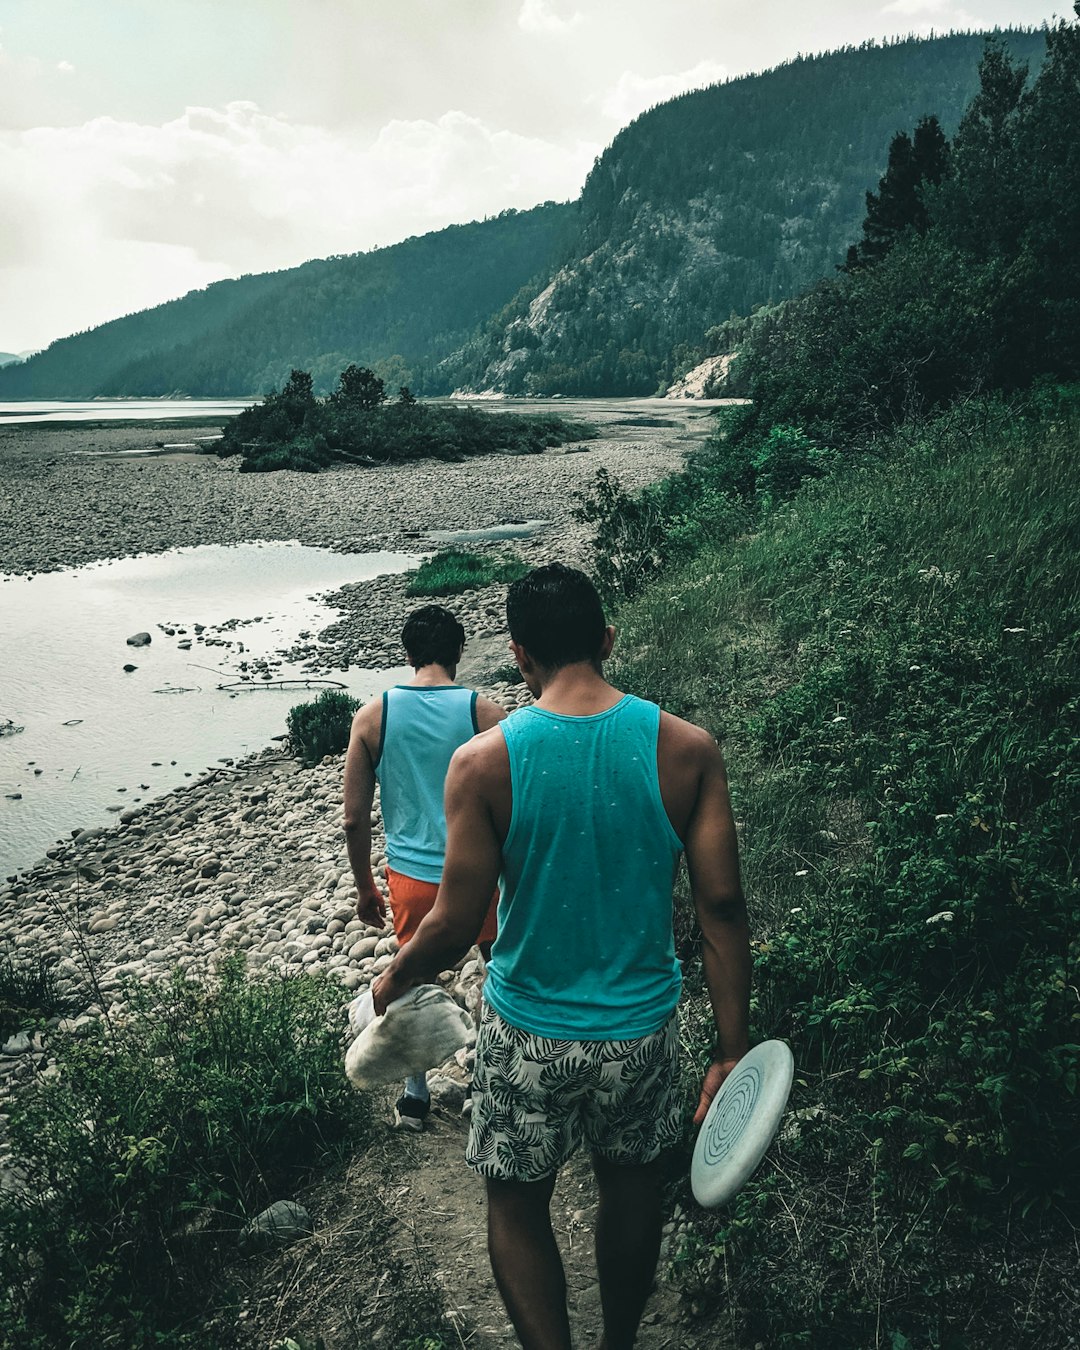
x=433, y=675
x=579, y=690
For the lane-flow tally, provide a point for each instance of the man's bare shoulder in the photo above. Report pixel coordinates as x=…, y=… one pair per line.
x=367, y=725
x=369, y=716
x=488, y=713
x=482, y=759
x=686, y=739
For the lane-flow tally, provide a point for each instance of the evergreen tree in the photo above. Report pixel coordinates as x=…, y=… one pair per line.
x=899, y=203
x=359, y=387
x=981, y=204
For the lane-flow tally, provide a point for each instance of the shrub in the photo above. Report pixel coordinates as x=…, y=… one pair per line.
x=636, y=538
x=294, y=430
x=891, y=661
x=322, y=726
x=30, y=994
x=158, y=1137
x=454, y=570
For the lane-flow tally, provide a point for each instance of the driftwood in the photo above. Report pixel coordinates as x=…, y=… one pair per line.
x=297, y=683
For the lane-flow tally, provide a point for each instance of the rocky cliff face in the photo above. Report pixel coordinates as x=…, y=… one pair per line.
x=719, y=201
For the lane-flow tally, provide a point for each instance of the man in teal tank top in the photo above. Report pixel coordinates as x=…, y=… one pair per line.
x=404, y=740
x=583, y=805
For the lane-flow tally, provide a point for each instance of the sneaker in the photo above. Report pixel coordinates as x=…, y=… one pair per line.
x=410, y=1113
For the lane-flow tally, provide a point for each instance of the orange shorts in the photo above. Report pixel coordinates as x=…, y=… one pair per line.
x=411, y=900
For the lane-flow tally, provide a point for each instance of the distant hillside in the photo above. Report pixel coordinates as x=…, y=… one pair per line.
x=715, y=202
x=399, y=310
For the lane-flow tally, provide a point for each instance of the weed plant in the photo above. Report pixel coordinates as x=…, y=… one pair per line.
x=454, y=570
x=30, y=994
x=322, y=726
x=152, y=1145
x=891, y=660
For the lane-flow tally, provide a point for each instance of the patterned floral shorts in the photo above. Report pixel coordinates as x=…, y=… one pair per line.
x=537, y=1100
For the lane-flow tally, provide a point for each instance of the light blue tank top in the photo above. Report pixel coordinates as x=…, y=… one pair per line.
x=585, y=948
x=421, y=729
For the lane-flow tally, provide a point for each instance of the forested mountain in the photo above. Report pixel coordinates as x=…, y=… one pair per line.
x=718, y=201
x=398, y=309
x=715, y=202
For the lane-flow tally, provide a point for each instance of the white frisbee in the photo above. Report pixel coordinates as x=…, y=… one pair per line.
x=741, y=1123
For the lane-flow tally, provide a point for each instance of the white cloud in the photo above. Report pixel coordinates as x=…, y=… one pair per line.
x=65, y=67
x=634, y=93
x=535, y=17
x=110, y=216
x=936, y=15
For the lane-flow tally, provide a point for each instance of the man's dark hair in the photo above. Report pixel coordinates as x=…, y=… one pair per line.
x=432, y=635
x=555, y=614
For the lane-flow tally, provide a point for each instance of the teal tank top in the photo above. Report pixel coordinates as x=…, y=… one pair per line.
x=585, y=949
x=421, y=729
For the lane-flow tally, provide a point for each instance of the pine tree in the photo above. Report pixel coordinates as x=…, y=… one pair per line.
x=899, y=204
x=980, y=207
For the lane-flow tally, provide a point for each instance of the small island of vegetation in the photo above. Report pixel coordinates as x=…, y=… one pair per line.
x=358, y=424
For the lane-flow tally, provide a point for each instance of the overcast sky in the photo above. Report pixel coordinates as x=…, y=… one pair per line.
x=151, y=146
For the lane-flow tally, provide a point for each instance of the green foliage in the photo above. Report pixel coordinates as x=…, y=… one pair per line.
x=453, y=570
x=360, y=388
x=156, y=1140
x=291, y=429
x=29, y=993
x=322, y=726
x=635, y=538
x=398, y=310
x=891, y=662
x=980, y=290
x=720, y=200
x=899, y=207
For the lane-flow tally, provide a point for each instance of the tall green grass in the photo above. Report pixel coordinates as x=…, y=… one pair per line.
x=153, y=1143
x=891, y=661
x=453, y=570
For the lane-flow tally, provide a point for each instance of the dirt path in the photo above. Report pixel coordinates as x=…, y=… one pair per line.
x=400, y=1251
x=440, y=1205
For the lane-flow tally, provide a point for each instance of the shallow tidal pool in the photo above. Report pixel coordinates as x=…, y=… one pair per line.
x=97, y=739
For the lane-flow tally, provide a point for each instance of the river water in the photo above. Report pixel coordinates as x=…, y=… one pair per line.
x=119, y=409
x=97, y=739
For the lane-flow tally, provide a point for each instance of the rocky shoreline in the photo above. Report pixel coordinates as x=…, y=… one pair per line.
x=251, y=856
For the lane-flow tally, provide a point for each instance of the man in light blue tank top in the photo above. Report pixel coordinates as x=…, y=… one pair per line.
x=583, y=804
x=405, y=740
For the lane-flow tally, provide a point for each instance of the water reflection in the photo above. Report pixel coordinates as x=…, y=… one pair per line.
x=96, y=736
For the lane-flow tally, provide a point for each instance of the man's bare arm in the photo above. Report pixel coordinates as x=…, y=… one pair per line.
x=712, y=859
x=470, y=875
x=359, y=794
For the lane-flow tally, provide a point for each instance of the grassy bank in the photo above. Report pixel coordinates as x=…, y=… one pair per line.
x=453, y=570
x=152, y=1143
x=890, y=658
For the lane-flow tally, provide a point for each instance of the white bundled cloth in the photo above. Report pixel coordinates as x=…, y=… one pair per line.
x=421, y=1029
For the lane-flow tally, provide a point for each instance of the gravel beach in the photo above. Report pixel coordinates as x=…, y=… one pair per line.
x=252, y=854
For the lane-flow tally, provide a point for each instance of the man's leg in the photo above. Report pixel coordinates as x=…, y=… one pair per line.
x=628, y=1225
x=526, y=1262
